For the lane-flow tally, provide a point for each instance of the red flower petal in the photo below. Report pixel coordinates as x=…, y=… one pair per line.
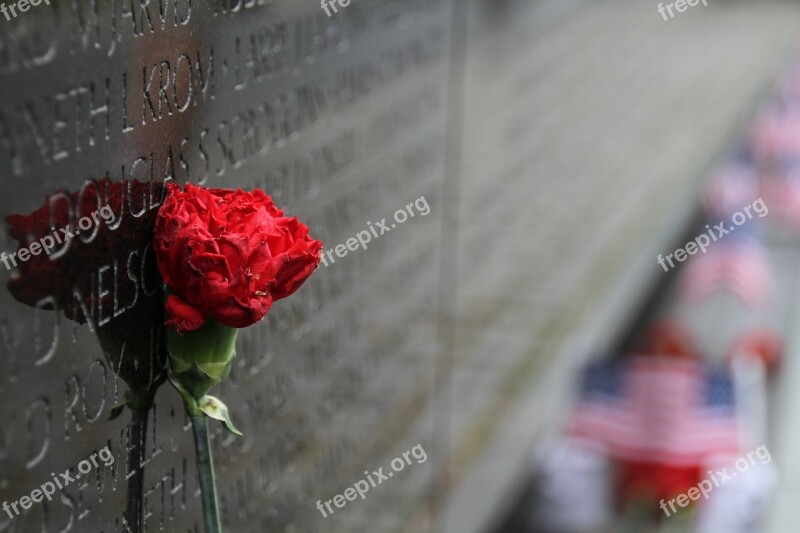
x=230, y=254
x=181, y=316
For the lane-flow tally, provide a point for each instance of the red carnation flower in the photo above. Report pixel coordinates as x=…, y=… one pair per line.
x=228, y=255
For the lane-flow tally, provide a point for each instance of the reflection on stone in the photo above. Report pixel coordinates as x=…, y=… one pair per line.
x=94, y=261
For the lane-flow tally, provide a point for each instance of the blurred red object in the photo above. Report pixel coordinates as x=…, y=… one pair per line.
x=667, y=338
x=761, y=345
x=650, y=482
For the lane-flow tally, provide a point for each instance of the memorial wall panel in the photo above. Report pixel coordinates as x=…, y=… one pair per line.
x=342, y=120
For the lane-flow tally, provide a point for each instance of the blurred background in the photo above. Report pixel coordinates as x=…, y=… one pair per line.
x=535, y=329
x=647, y=378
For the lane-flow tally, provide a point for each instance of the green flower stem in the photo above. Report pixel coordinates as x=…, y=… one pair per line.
x=205, y=472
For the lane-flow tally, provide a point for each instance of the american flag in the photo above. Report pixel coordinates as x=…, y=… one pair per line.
x=739, y=266
x=673, y=411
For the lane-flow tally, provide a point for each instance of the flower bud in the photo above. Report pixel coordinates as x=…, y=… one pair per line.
x=199, y=360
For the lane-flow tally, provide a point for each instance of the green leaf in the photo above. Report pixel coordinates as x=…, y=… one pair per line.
x=216, y=409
